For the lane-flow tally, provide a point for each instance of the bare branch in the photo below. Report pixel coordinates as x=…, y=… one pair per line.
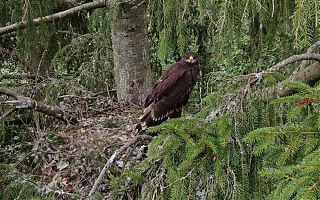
x=113, y=157
x=308, y=75
x=11, y=93
x=26, y=102
x=87, y=6
x=293, y=59
x=311, y=49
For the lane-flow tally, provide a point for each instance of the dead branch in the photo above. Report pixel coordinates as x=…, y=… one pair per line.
x=11, y=93
x=305, y=58
x=293, y=59
x=26, y=102
x=305, y=63
x=113, y=157
x=308, y=75
x=87, y=6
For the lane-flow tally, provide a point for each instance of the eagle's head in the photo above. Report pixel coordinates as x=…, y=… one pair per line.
x=191, y=57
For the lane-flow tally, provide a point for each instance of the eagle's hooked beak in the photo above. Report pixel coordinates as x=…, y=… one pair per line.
x=190, y=59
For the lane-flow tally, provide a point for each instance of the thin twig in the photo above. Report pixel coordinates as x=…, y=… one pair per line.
x=60, y=15
x=113, y=157
x=23, y=24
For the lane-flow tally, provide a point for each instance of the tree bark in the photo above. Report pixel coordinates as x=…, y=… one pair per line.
x=131, y=61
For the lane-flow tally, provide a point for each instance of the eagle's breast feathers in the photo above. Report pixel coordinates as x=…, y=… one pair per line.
x=170, y=92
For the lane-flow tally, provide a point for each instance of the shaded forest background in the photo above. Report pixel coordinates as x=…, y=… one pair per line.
x=71, y=94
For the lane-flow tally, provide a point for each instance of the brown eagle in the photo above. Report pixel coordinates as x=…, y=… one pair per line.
x=170, y=92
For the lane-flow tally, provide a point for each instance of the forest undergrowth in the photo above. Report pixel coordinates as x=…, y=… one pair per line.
x=256, y=150
x=63, y=161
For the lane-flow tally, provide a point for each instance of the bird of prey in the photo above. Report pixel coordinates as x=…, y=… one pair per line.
x=170, y=92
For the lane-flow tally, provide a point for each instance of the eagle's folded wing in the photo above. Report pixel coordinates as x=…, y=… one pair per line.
x=169, y=94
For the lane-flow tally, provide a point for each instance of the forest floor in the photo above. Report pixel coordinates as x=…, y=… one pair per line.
x=66, y=160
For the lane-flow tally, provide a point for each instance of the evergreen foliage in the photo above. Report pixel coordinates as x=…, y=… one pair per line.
x=250, y=154
x=190, y=158
x=233, y=37
x=263, y=150
x=291, y=153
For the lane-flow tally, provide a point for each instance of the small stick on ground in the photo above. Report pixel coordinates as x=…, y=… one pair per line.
x=113, y=157
x=6, y=114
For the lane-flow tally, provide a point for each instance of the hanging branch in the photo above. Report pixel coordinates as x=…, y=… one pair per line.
x=26, y=102
x=113, y=157
x=87, y=6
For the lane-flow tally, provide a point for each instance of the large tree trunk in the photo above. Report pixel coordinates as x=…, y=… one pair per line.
x=130, y=52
